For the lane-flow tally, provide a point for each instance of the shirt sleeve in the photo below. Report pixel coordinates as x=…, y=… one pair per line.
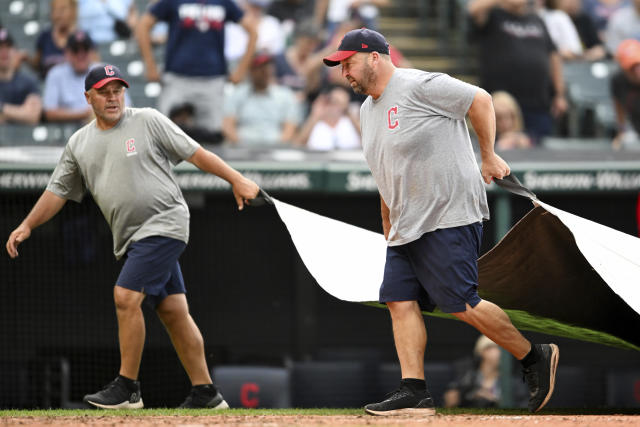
x=66, y=180
x=234, y=13
x=445, y=95
x=172, y=140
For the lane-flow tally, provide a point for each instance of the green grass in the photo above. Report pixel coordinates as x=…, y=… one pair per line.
x=294, y=412
x=529, y=322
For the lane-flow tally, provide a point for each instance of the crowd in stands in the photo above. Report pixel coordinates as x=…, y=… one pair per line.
x=250, y=72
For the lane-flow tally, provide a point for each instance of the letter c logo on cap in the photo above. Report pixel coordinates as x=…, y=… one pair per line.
x=108, y=70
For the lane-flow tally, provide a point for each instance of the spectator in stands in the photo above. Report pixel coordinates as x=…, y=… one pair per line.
x=335, y=12
x=300, y=66
x=107, y=20
x=601, y=10
x=329, y=126
x=478, y=385
x=195, y=69
x=623, y=24
x=260, y=112
x=290, y=13
x=51, y=42
x=625, y=90
x=20, y=100
x=63, y=97
x=561, y=29
x=518, y=56
x=593, y=47
x=185, y=117
x=271, y=38
x=509, y=129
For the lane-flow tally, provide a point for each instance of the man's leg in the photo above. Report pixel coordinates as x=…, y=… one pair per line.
x=188, y=342
x=410, y=336
x=493, y=322
x=539, y=362
x=185, y=336
x=131, y=330
x=124, y=391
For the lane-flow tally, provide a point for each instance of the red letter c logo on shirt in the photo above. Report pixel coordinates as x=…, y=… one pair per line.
x=392, y=124
x=108, y=70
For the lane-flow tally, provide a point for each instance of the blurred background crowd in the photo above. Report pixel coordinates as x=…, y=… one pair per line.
x=250, y=72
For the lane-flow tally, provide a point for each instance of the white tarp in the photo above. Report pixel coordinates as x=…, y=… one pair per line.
x=348, y=261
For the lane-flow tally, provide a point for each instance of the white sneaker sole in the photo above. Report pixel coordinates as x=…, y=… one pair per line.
x=123, y=405
x=403, y=411
x=553, y=363
x=221, y=405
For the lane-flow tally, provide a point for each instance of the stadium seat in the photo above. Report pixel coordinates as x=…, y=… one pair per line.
x=588, y=88
x=45, y=134
x=254, y=386
x=330, y=385
x=623, y=389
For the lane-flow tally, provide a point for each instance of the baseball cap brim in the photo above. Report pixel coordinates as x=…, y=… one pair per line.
x=103, y=82
x=335, y=58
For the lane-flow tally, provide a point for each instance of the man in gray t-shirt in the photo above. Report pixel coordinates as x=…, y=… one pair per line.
x=124, y=159
x=417, y=145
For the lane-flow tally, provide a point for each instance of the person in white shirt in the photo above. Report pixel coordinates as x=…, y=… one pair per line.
x=329, y=126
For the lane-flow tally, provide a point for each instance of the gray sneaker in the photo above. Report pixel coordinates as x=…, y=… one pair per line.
x=115, y=395
x=541, y=376
x=403, y=401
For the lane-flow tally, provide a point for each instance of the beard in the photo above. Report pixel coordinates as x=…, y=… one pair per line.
x=366, y=82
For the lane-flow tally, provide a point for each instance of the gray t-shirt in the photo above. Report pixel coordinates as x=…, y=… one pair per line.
x=417, y=145
x=127, y=170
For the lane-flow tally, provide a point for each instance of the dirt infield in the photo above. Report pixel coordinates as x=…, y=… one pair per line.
x=331, y=420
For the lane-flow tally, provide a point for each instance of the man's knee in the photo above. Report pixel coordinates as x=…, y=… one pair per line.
x=173, y=308
x=126, y=299
x=402, y=308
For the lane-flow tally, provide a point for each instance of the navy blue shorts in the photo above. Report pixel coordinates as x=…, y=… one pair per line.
x=439, y=269
x=152, y=267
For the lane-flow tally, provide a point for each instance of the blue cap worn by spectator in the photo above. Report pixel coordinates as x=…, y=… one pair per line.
x=5, y=37
x=79, y=40
x=361, y=40
x=100, y=75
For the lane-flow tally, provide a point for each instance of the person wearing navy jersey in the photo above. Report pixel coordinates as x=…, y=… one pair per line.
x=195, y=68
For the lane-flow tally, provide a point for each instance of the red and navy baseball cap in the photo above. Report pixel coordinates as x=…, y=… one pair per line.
x=102, y=74
x=361, y=40
x=5, y=37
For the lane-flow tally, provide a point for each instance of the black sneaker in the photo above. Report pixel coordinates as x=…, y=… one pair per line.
x=403, y=401
x=204, y=397
x=541, y=376
x=116, y=396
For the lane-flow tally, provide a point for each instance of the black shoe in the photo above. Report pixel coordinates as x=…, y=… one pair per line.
x=204, y=397
x=116, y=395
x=403, y=401
x=541, y=376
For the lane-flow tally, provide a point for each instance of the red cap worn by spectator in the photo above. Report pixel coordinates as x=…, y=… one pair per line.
x=628, y=54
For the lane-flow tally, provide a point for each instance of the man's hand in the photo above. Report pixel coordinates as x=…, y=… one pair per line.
x=494, y=167
x=244, y=190
x=18, y=236
x=152, y=75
